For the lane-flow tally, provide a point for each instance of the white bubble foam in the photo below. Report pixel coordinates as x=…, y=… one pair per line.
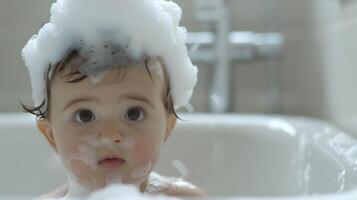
x=117, y=192
x=87, y=155
x=76, y=191
x=147, y=27
x=180, y=167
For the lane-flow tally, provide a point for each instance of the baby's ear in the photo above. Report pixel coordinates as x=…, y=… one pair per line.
x=44, y=126
x=171, y=123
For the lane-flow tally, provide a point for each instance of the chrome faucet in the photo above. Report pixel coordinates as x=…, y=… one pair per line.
x=223, y=47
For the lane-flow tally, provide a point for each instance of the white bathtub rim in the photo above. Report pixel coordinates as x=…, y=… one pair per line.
x=348, y=195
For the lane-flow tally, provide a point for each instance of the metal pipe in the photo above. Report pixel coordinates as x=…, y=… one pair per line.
x=220, y=89
x=242, y=46
x=222, y=48
x=273, y=66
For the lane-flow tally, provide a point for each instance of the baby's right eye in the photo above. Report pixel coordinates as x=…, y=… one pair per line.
x=84, y=116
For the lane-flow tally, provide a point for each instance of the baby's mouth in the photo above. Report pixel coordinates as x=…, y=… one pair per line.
x=111, y=162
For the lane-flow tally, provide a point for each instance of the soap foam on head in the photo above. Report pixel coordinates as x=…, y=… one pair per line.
x=144, y=27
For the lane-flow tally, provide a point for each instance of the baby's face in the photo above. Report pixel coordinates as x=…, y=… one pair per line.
x=109, y=132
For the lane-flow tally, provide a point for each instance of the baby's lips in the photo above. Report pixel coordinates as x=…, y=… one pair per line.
x=111, y=161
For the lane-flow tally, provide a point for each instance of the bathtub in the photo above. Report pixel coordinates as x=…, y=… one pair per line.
x=229, y=156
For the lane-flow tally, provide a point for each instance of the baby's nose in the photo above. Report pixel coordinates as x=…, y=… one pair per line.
x=111, y=132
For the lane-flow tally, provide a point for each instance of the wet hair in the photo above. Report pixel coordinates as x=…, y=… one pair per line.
x=42, y=111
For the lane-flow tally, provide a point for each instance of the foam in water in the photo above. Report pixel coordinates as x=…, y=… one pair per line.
x=118, y=192
x=138, y=27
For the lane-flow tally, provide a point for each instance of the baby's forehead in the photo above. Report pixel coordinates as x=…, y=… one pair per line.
x=105, y=56
x=153, y=68
x=93, y=66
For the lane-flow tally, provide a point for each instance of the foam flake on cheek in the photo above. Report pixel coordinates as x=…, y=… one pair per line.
x=128, y=142
x=88, y=155
x=106, y=141
x=93, y=140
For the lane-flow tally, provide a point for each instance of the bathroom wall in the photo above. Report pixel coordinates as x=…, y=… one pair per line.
x=18, y=21
x=302, y=69
x=249, y=91
x=339, y=35
x=315, y=70
x=319, y=66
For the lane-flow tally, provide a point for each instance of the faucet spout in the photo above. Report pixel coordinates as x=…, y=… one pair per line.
x=220, y=89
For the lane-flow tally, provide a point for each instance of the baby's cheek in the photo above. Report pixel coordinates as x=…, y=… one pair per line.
x=79, y=158
x=82, y=168
x=145, y=150
x=79, y=168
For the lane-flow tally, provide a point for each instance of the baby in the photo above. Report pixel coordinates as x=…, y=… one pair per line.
x=107, y=77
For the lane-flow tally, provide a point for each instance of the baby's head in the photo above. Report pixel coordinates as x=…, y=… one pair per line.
x=109, y=131
x=106, y=85
x=74, y=68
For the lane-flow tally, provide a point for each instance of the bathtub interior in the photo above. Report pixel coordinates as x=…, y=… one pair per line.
x=252, y=156
x=225, y=155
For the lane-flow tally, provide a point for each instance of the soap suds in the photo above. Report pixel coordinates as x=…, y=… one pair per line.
x=141, y=27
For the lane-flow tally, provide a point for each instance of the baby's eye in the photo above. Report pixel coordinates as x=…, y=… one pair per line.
x=134, y=114
x=84, y=116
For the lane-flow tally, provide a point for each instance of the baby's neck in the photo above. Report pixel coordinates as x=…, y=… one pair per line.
x=76, y=190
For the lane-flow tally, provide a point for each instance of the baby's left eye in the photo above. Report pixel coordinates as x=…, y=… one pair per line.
x=84, y=116
x=135, y=114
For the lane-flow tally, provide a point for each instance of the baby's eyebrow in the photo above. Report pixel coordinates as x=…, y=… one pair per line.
x=80, y=99
x=139, y=98
x=91, y=98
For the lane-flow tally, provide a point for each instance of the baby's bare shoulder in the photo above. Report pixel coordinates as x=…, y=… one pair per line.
x=184, y=188
x=172, y=186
